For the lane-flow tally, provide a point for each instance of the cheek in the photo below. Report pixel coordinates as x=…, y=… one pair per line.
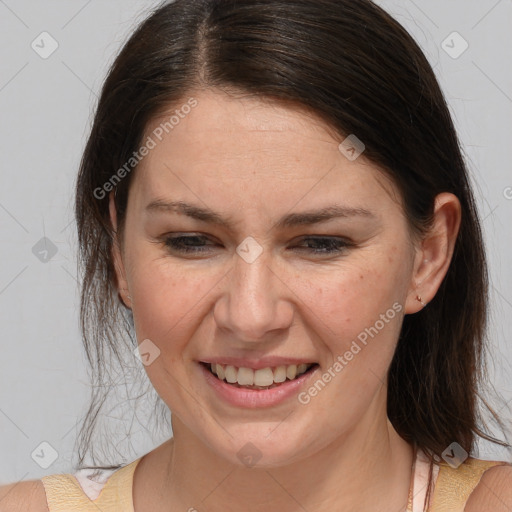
x=167, y=308
x=357, y=317
x=353, y=297
x=167, y=298
x=362, y=304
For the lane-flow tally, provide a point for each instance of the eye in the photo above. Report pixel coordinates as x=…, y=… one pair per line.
x=188, y=244
x=196, y=244
x=325, y=245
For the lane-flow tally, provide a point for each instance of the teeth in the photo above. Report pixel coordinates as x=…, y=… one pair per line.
x=245, y=377
x=231, y=373
x=219, y=371
x=280, y=374
x=301, y=368
x=291, y=371
x=263, y=377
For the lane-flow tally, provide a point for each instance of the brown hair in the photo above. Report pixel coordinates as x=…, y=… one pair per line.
x=356, y=68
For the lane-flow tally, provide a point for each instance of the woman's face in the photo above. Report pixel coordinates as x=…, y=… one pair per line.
x=251, y=286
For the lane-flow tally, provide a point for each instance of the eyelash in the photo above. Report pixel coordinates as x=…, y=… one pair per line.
x=334, y=245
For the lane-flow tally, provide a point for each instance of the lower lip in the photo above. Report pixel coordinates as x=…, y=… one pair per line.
x=256, y=398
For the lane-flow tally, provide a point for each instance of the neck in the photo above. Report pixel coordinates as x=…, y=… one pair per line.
x=368, y=468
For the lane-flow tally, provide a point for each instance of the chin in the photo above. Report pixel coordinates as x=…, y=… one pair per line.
x=261, y=450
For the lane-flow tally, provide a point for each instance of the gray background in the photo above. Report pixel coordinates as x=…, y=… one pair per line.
x=46, y=107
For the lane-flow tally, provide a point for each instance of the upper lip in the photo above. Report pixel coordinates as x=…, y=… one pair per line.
x=257, y=364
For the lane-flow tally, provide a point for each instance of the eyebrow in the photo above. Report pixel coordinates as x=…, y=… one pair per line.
x=290, y=220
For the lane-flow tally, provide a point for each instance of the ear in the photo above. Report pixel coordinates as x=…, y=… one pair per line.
x=122, y=283
x=434, y=252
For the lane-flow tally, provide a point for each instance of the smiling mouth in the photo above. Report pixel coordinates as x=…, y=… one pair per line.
x=265, y=378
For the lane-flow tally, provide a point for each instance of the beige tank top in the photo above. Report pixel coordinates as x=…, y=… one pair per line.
x=112, y=491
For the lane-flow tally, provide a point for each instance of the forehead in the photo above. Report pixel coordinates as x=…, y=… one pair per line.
x=238, y=127
x=225, y=143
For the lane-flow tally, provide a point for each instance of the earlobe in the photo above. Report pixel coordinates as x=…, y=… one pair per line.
x=434, y=253
x=117, y=259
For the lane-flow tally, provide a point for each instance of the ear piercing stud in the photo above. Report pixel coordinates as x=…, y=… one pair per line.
x=419, y=299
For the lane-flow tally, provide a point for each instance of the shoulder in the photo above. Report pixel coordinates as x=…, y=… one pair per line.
x=493, y=492
x=26, y=496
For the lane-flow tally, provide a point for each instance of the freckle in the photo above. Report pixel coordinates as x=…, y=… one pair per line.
x=361, y=276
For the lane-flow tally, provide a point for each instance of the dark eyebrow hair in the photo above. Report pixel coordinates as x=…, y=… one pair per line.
x=290, y=220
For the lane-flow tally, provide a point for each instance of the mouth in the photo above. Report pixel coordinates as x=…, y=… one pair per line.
x=261, y=379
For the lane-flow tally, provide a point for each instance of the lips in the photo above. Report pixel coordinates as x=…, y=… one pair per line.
x=255, y=397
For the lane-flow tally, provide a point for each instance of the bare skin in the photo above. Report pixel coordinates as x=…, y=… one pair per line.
x=255, y=162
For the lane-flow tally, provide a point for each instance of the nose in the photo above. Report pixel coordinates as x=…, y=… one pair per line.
x=256, y=303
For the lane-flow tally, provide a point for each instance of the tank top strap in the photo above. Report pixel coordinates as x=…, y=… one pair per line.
x=455, y=485
x=64, y=493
